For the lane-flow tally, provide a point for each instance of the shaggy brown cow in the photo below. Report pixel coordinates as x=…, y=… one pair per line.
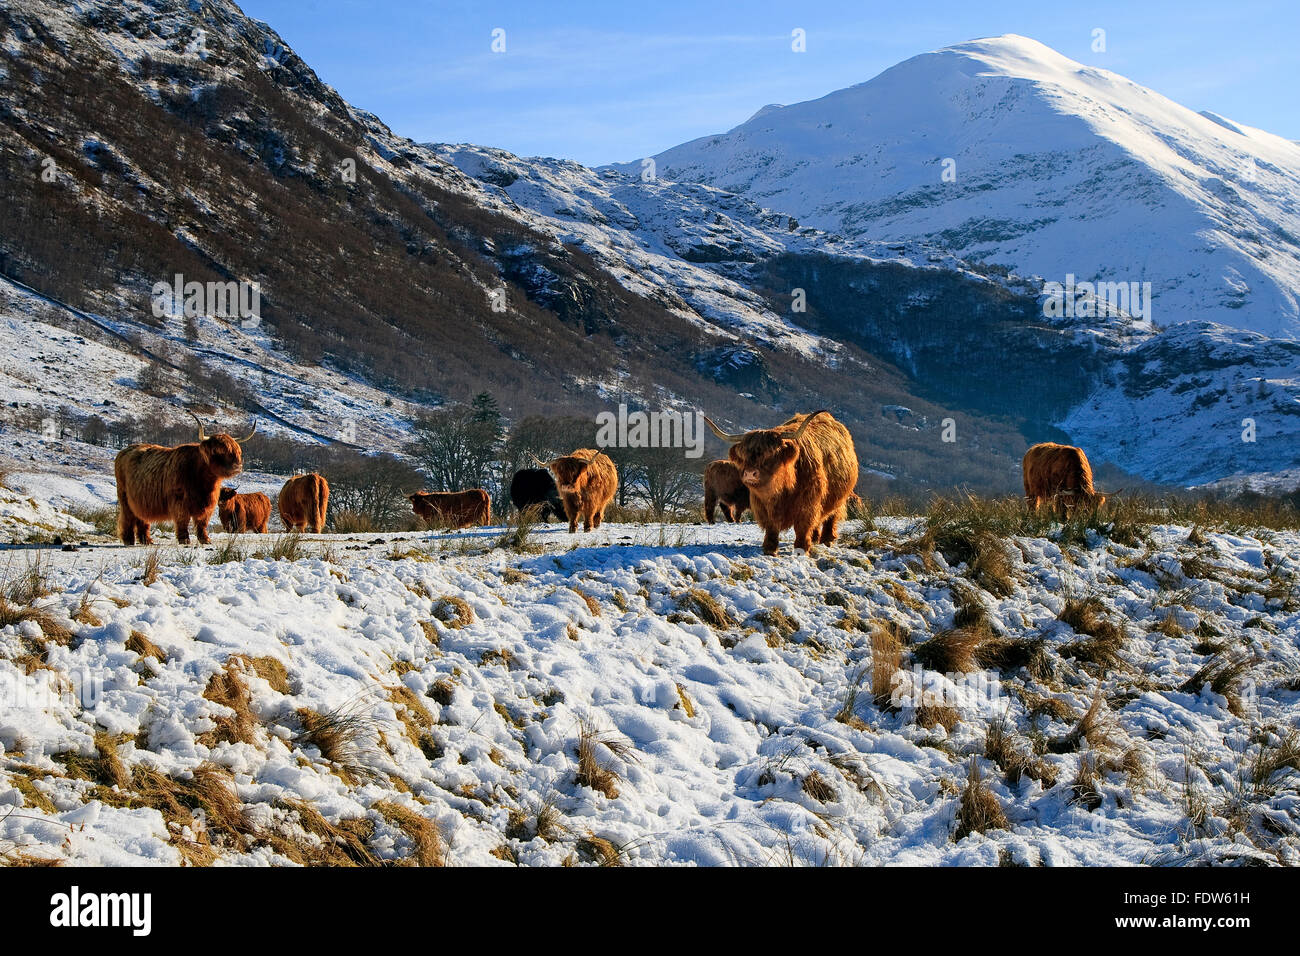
x=722, y=486
x=799, y=474
x=157, y=483
x=243, y=513
x=455, y=509
x=1059, y=475
x=303, y=502
x=586, y=481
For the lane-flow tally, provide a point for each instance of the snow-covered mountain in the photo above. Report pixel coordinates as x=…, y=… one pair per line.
x=1052, y=168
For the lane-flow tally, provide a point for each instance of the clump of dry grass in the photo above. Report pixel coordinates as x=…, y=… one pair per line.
x=443, y=691
x=284, y=547
x=1168, y=626
x=707, y=608
x=591, y=772
x=1092, y=728
x=1223, y=673
x=307, y=838
x=1273, y=758
x=1011, y=654
x=979, y=811
x=593, y=605
x=846, y=714
x=1014, y=754
x=271, y=670
x=416, y=719
x=684, y=702
x=1104, y=640
x=930, y=716
x=427, y=847
x=953, y=650
x=598, y=850
x=517, y=533
x=343, y=736
x=151, y=567
x=453, y=612
x=139, y=643
x=780, y=626
x=1085, y=790
x=817, y=787
x=227, y=688
x=104, y=766
x=19, y=595
x=886, y=657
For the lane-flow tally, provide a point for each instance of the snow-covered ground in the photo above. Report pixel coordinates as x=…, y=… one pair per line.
x=713, y=684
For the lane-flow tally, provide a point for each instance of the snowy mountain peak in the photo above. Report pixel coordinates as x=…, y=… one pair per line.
x=1004, y=150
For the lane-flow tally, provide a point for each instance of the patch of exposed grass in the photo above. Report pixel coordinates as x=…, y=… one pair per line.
x=227, y=688
x=953, y=650
x=427, y=846
x=453, y=612
x=979, y=811
x=1222, y=673
x=592, y=772
x=707, y=608
x=139, y=643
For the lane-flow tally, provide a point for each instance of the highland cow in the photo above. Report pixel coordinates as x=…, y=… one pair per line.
x=586, y=481
x=178, y=484
x=800, y=475
x=241, y=514
x=1059, y=475
x=535, y=487
x=453, y=509
x=723, y=487
x=303, y=502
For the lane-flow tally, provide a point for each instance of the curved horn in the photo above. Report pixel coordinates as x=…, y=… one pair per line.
x=807, y=421
x=538, y=461
x=249, y=435
x=730, y=439
x=202, y=435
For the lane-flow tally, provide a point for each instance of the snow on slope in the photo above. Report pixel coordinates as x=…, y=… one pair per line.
x=682, y=244
x=1179, y=408
x=1060, y=168
x=725, y=737
x=54, y=359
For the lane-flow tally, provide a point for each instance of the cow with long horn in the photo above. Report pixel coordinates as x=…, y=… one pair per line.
x=800, y=475
x=178, y=484
x=587, y=481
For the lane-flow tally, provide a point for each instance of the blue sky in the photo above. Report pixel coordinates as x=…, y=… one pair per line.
x=611, y=81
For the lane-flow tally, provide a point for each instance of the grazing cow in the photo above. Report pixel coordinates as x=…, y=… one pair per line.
x=303, y=502
x=156, y=483
x=722, y=486
x=587, y=481
x=1059, y=475
x=455, y=509
x=243, y=513
x=535, y=486
x=799, y=474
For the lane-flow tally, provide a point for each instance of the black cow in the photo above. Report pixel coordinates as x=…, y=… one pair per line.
x=535, y=486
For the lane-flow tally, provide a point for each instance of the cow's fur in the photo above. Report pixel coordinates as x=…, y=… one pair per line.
x=178, y=484
x=1059, y=476
x=587, y=481
x=304, y=501
x=535, y=486
x=723, y=487
x=243, y=513
x=799, y=483
x=455, y=509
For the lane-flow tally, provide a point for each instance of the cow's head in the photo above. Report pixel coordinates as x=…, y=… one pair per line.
x=765, y=457
x=570, y=471
x=226, y=494
x=222, y=451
